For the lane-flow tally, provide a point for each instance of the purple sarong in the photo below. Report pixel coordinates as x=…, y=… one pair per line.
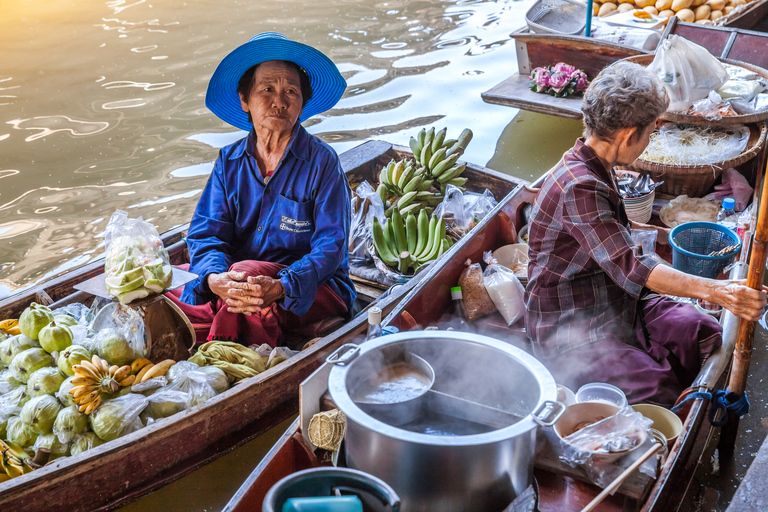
x=654, y=371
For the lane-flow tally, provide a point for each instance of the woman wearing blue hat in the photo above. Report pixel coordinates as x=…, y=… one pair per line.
x=269, y=235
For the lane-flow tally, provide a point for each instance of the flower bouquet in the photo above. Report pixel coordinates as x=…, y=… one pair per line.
x=560, y=80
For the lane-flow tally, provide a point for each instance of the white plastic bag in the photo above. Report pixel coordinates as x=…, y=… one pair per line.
x=505, y=290
x=118, y=417
x=366, y=204
x=137, y=264
x=688, y=71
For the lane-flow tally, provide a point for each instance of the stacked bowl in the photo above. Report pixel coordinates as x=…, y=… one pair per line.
x=639, y=208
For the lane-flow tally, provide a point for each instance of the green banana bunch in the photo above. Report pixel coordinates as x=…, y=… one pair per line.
x=398, y=179
x=410, y=241
x=438, y=156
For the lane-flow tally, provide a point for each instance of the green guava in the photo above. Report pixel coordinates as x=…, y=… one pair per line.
x=40, y=413
x=54, y=444
x=33, y=319
x=84, y=442
x=63, y=394
x=69, y=423
x=55, y=337
x=65, y=320
x=72, y=355
x=13, y=345
x=45, y=381
x=20, y=433
x=116, y=350
x=28, y=362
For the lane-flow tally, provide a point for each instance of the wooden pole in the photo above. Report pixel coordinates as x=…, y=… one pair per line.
x=742, y=353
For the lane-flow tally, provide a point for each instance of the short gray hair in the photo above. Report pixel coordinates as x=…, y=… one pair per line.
x=623, y=95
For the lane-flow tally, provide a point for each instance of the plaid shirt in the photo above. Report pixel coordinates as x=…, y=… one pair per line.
x=585, y=276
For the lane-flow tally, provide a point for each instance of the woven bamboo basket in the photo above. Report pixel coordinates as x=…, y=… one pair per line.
x=697, y=180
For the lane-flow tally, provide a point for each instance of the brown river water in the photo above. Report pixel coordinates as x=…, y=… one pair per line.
x=102, y=107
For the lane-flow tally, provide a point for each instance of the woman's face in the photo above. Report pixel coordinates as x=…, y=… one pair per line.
x=635, y=145
x=275, y=102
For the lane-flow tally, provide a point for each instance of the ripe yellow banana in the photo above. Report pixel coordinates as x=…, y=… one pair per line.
x=142, y=372
x=85, y=372
x=139, y=364
x=121, y=372
x=127, y=381
x=158, y=370
x=10, y=327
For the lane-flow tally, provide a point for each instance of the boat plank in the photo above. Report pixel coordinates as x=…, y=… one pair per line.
x=515, y=92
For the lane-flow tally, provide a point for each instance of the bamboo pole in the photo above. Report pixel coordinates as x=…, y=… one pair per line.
x=742, y=353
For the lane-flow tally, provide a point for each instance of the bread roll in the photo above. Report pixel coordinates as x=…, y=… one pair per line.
x=686, y=15
x=642, y=4
x=697, y=3
x=663, y=5
x=702, y=12
x=679, y=5
x=651, y=10
x=606, y=8
x=727, y=10
x=626, y=7
x=715, y=15
x=716, y=5
x=668, y=13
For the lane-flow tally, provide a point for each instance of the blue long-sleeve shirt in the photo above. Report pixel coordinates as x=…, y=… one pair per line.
x=300, y=217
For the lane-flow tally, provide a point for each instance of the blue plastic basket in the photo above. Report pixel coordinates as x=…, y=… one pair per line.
x=692, y=242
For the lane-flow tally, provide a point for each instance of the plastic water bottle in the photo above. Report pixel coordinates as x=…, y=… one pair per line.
x=727, y=217
x=374, y=323
x=744, y=223
x=459, y=320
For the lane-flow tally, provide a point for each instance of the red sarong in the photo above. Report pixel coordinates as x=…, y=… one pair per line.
x=212, y=321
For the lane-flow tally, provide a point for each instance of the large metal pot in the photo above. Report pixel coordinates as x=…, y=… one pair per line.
x=472, y=447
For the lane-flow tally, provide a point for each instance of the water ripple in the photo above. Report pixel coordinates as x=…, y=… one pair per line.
x=48, y=125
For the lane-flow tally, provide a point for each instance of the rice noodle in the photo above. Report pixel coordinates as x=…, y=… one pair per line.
x=695, y=145
x=684, y=209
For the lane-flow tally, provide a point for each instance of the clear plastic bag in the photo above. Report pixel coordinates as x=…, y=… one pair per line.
x=477, y=302
x=597, y=447
x=687, y=70
x=461, y=211
x=192, y=382
x=123, y=321
x=137, y=264
x=505, y=290
x=366, y=204
x=645, y=239
x=118, y=417
x=164, y=403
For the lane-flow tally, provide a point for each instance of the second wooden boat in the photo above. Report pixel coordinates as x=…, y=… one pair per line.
x=123, y=470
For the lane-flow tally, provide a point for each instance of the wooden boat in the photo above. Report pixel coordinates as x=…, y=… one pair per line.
x=557, y=491
x=592, y=55
x=120, y=471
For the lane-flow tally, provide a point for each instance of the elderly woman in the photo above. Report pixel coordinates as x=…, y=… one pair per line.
x=269, y=235
x=595, y=310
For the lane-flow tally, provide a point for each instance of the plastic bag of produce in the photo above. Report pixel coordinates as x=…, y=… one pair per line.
x=461, y=210
x=52, y=443
x=189, y=380
x=137, y=264
x=113, y=346
x=278, y=355
x=12, y=401
x=163, y=403
x=687, y=70
x=366, y=204
x=40, y=413
x=125, y=322
x=20, y=433
x=505, y=290
x=118, y=417
x=477, y=302
x=84, y=443
x=69, y=423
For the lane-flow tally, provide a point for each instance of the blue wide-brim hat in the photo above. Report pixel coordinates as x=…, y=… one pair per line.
x=222, y=99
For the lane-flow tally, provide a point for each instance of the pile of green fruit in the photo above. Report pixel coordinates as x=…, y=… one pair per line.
x=53, y=396
x=410, y=242
x=437, y=157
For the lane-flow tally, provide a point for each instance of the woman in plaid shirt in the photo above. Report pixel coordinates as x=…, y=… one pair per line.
x=594, y=312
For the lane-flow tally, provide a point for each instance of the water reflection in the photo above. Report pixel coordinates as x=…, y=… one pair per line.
x=124, y=82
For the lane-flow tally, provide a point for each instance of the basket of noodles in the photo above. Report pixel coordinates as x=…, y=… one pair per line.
x=690, y=158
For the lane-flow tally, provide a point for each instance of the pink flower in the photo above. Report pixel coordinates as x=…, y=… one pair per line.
x=562, y=67
x=582, y=82
x=541, y=77
x=559, y=80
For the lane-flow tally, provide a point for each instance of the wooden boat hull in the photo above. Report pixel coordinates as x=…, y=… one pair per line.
x=423, y=306
x=125, y=469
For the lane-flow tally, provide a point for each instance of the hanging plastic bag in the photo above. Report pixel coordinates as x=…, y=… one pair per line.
x=687, y=70
x=123, y=321
x=137, y=264
x=505, y=289
x=366, y=204
x=477, y=302
x=461, y=210
x=118, y=417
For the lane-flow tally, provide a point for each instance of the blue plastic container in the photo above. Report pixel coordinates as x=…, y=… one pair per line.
x=692, y=243
x=327, y=504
